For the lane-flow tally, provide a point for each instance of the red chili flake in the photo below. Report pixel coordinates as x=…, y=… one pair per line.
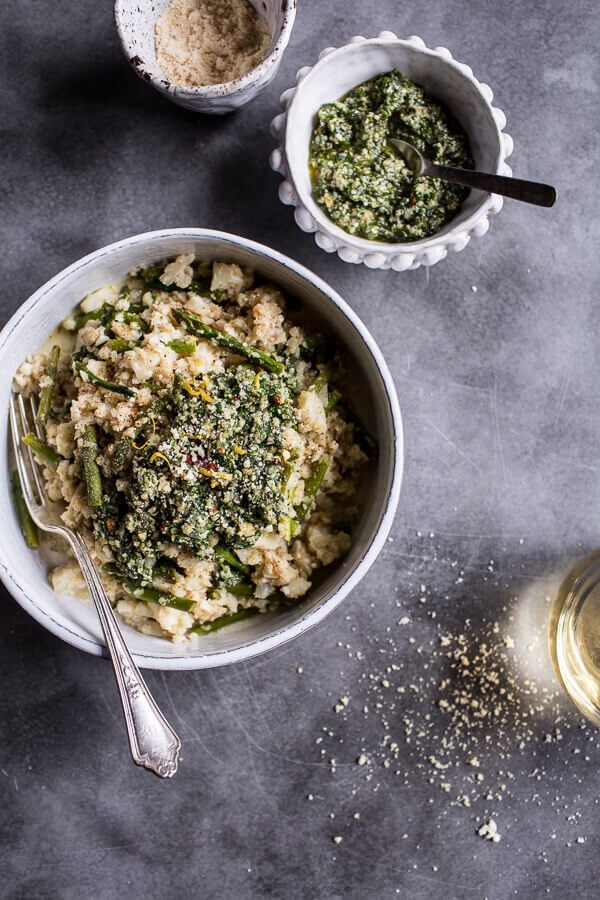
x=212, y=466
x=276, y=399
x=189, y=459
x=110, y=524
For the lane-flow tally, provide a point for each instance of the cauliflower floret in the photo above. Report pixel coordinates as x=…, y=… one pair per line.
x=98, y=298
x=134, y=612
x=27, y=378
x=145, y=359
x=296, y=588
x=227, y=277
x=326, y=545
x=206, y=309
x=311, y=413
x=67, y=580
x=295, y=340
x=179, y=272
x=172, y=621
x=62, y=436
x=277, y=569
x=268, y=325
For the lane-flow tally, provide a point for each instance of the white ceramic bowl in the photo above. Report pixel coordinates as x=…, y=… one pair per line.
x=371, y=392
x=136, y=22
x=453, y=83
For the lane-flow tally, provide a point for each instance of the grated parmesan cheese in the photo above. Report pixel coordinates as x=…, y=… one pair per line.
x=200, y=42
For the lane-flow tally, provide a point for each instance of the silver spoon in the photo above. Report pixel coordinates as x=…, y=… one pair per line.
x=527, y=191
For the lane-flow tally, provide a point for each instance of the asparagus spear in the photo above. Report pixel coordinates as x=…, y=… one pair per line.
x=109, y=385
x=105, y=313
x=42, y=450
x=153, y=595
x=223, y=620
x=121, y=344
x=241, y=589
x=165, y=571
x=321, y=380
x=28, y=526
x=93, y=479
x=311, y=489
x=137, y=319
x=124, y=446
x=82, y=319
x=197, y=327
x=150, y=594
x=333, y=399
x=184, y=348
x=231, y=559
x=46, y=393
x=120, y=453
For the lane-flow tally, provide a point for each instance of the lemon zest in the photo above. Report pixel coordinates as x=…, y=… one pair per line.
x=187, y=386
x=197, y=392
x=224, y=476
x=239, y=450
x=158, y=455
x=147, y=441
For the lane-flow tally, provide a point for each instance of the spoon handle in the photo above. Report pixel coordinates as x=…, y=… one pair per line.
x=527, y=191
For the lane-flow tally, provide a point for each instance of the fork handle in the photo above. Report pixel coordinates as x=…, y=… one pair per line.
x=153, y=742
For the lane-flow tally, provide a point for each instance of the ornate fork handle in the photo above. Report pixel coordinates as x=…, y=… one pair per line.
x=153, y=742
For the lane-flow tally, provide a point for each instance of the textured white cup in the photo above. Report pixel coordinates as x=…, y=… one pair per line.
x=370, y=390
x=339, y=70
x=136, y=21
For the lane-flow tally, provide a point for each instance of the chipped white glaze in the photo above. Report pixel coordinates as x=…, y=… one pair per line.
x=339, y=70
x=136, y=22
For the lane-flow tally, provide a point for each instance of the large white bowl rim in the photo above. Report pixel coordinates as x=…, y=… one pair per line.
x=169, y=242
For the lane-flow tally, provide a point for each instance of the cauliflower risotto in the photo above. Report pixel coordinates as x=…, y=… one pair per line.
x=198, y=443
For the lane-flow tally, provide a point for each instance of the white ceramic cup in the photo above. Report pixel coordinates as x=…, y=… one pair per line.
x=369, y=390
x=136, y=23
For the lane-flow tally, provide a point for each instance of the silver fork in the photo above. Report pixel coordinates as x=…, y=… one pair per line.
x=153, y=742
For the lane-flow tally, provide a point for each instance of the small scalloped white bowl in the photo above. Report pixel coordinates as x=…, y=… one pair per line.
x=451, y=82
x=136, y=22
x=370, y=390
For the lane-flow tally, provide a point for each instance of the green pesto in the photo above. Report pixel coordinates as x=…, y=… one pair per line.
x=358, y=179
x=213, y=472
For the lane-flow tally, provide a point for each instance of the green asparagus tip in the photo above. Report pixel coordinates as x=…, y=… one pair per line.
x=28, y=526
x=42, y=450
x=222, y=621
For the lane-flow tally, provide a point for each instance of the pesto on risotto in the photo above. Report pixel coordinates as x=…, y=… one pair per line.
x=358, y=179
x=194, y=433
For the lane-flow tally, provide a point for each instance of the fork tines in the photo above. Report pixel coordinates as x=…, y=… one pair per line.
x=21, y=424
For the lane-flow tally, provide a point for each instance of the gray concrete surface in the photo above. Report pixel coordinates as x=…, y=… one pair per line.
x=499, y=390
